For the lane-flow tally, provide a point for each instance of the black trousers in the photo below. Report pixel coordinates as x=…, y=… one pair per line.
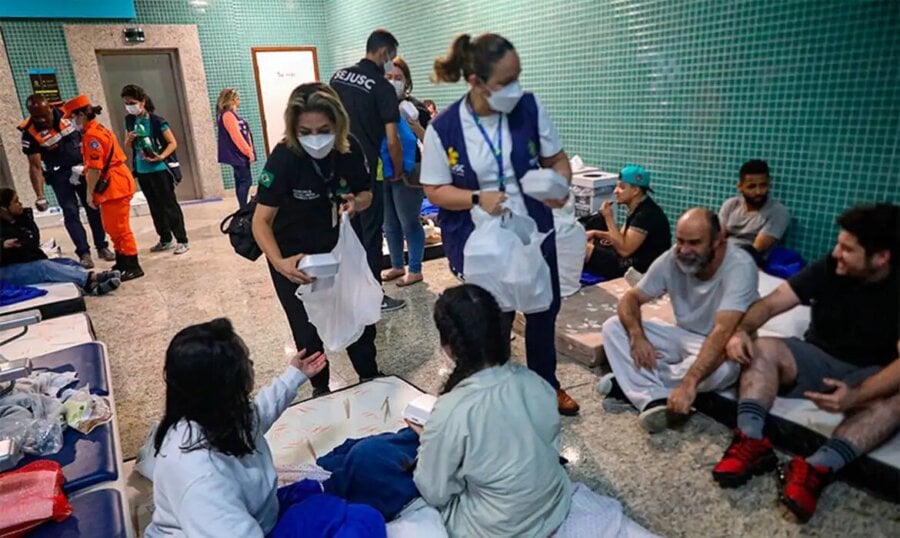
x=159, y=189
x=605, y=262
x=371, y=229
x=362, y=352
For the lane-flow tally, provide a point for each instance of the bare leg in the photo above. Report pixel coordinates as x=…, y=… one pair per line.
x=872, y=425
x=772, y=365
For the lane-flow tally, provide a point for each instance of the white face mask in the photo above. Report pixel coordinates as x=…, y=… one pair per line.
x=388, y=66
x=317, y=146
x=399, y=87
x=134, y=110
x=506, y=98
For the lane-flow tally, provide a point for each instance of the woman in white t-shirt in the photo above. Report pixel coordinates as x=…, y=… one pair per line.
x=476, y=151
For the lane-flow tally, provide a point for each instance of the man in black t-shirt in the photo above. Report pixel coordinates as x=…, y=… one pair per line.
x=53, y=147
x=645, y=235
x=853, y=295
x=371, y=103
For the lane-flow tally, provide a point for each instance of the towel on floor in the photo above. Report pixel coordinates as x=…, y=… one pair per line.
x=11, y=293
x=596, y=516
x=374, y=470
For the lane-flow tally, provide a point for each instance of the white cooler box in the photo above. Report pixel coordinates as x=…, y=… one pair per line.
x=591, y=188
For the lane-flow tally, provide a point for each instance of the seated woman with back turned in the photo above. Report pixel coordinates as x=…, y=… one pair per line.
x=489, y=455
x=213, y=475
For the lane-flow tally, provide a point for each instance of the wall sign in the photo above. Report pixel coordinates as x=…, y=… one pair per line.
x=278, y=70
x=67, y=9
x=43, y=82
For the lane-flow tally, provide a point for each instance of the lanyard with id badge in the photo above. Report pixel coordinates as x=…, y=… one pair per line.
x=334, y=197
x=496, y=150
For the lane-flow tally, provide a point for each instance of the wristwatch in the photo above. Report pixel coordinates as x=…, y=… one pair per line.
x=476, y=198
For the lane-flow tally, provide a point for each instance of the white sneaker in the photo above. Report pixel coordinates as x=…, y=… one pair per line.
x=182, y=248
x=605, y=385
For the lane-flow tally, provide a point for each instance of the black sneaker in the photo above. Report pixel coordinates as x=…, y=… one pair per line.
x=389, y=304
x=131, y=274
x=654, y=418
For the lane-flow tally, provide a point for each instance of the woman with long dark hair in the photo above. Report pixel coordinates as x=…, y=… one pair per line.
x=489, y=455
x=477, y=151
x=152, y=158
x=214, y=474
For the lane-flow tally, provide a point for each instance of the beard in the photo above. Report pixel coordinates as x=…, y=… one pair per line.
x=756, y=201
x=691, y=264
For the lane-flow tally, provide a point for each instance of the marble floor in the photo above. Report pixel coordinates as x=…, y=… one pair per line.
x=663, y=481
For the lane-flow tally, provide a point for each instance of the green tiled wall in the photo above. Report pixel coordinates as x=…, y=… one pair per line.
x=227, y=28
x=690, y=89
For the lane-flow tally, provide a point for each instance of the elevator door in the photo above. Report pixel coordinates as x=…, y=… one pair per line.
x=157, y=72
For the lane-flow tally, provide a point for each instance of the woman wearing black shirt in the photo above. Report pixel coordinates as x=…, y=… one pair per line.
x=317, y=172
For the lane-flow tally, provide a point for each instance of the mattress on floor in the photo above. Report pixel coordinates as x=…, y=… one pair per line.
x=48, y=336
x=61, y=299
x=88, y=360
x=313, y=428
x=94, y=514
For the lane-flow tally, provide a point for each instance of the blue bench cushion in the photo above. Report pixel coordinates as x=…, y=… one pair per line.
x=86, y=460
x=95, y=514
x=86, y=359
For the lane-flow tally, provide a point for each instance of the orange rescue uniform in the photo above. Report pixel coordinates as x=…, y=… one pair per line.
x=115, y=202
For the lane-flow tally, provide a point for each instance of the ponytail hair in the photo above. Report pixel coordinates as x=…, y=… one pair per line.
x=471, y=57
x=471, y=324
x=90, y=112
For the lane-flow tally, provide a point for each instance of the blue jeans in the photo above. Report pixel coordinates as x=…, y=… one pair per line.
x=45, y=271
x=243, y=180
x=402, y=206
x=67, y=196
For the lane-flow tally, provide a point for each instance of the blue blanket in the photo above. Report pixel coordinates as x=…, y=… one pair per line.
x=305, y=511
x=12, y=293
x=375, y=470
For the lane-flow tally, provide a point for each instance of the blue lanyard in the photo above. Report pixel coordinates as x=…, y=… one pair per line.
x=497, y=150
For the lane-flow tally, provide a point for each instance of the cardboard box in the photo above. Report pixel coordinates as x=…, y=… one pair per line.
x=590, y=189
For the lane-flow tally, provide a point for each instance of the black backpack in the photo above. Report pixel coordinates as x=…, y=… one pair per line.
x=239, y=227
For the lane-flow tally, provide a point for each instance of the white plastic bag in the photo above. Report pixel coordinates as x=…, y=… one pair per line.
x=571, y=241
x=503, y=256
x=341, y=312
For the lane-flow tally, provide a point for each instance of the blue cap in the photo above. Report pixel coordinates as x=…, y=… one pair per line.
x=635, y=175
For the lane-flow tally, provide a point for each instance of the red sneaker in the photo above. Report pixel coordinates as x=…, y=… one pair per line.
x=743, y=459
x=802, y=484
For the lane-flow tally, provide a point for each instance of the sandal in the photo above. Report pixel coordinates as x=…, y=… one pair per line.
x=407, y=281
x=392, y=274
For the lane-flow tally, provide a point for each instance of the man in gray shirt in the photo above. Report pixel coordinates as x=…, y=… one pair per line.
x=660, y=368
x=753, y=220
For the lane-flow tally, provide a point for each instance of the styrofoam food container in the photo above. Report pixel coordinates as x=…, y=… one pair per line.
x=319, y=265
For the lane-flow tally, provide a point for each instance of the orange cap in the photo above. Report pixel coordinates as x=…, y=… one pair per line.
x=75, y=103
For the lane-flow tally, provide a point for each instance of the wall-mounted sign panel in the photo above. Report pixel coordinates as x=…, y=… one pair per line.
x=278, y=71
x=67, y=9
